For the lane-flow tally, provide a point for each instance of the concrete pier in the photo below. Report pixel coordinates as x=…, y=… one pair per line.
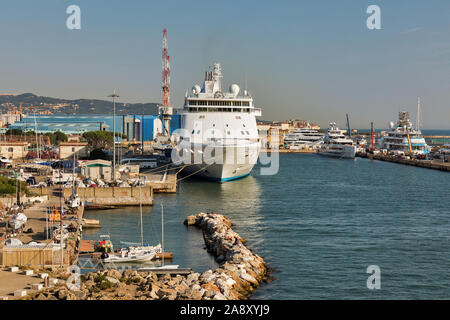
x=430, y=164
x=114, y=196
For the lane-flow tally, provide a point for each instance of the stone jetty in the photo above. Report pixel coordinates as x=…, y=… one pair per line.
x=240, y=273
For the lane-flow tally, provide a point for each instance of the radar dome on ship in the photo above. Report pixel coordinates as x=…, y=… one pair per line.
x=196, y=89
x=391, y=125
x=234, y=89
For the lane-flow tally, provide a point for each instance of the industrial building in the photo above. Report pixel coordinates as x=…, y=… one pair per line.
x=135, y=127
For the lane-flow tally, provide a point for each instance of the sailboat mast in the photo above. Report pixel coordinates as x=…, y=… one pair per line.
x=73, y=173
x=60, y=217
x=162, y=233
x=140, y=209
x=37, y=141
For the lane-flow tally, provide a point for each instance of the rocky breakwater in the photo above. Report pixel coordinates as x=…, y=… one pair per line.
x=241, y=271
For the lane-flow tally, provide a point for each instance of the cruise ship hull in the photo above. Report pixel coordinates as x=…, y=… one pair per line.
x=219, y=172
x=234, y=162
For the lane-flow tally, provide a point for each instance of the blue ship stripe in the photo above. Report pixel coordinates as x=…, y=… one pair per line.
x=234, y=178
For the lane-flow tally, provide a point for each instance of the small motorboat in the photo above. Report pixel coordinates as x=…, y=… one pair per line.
x=128, y=256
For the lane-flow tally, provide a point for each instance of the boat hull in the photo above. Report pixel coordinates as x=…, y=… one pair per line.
x=338, y=151
x=236, y=162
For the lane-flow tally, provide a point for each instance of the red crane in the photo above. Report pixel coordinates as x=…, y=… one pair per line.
x=165, y=71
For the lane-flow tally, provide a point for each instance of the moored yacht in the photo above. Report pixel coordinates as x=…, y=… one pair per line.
x=403, y=138
x=218, y=139
x=303, y=138
x=336, y=144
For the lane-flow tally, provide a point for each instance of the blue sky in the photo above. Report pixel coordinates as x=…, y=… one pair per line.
x=313, y=60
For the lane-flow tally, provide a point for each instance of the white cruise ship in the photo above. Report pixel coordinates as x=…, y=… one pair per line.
x=303, y=137
x=220, y=139
x=336, y=144
x=403, y=138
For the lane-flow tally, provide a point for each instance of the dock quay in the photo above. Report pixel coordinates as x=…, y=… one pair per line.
x=161, y=183
x=430, y=164
x=239, y=274
x=112, y=197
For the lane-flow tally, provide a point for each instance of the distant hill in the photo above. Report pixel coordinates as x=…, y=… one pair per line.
x=78, y=106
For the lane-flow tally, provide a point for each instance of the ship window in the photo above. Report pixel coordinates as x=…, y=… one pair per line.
x=242, y=132
x=198, y=131
x=238, y=117
x=192, y=131
x=247, y=132
x=228, y=132
x=246, y=103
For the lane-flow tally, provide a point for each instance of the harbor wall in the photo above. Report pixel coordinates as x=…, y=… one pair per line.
x=114, y=196
x=430, y=164
x=9, y=201
x=28, y=257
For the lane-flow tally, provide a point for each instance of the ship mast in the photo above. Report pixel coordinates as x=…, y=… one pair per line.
x=165, y=71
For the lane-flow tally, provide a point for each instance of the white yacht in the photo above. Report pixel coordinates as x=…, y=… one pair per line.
x=336, y=144
x=303, y=138
x=218, y=139
x=403, y=138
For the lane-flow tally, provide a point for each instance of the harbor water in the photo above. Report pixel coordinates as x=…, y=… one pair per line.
x=320, y=223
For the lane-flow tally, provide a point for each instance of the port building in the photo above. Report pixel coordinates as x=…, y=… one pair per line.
x=141, y=127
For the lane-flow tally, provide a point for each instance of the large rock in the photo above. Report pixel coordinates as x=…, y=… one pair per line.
x=112, y=280
x=169, y=294
x=190, y=220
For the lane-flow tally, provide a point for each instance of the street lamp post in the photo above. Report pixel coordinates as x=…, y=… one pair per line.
x=114, y=96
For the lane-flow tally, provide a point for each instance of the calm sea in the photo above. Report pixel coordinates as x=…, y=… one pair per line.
x=320, y=222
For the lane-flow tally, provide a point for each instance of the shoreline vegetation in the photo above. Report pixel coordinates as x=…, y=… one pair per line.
x=241, y=271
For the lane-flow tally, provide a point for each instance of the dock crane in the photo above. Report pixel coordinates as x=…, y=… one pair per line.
x=409, y=145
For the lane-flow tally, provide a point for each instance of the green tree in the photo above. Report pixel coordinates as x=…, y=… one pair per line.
x=57, y=137
x=8, y=186
x=98, y=154
x=14, y=132
x=100, y=139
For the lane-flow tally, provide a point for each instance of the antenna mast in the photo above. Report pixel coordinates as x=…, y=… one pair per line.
x=165, y=110
x=418, y=114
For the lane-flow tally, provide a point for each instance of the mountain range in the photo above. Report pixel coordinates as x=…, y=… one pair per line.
x=77, y=106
